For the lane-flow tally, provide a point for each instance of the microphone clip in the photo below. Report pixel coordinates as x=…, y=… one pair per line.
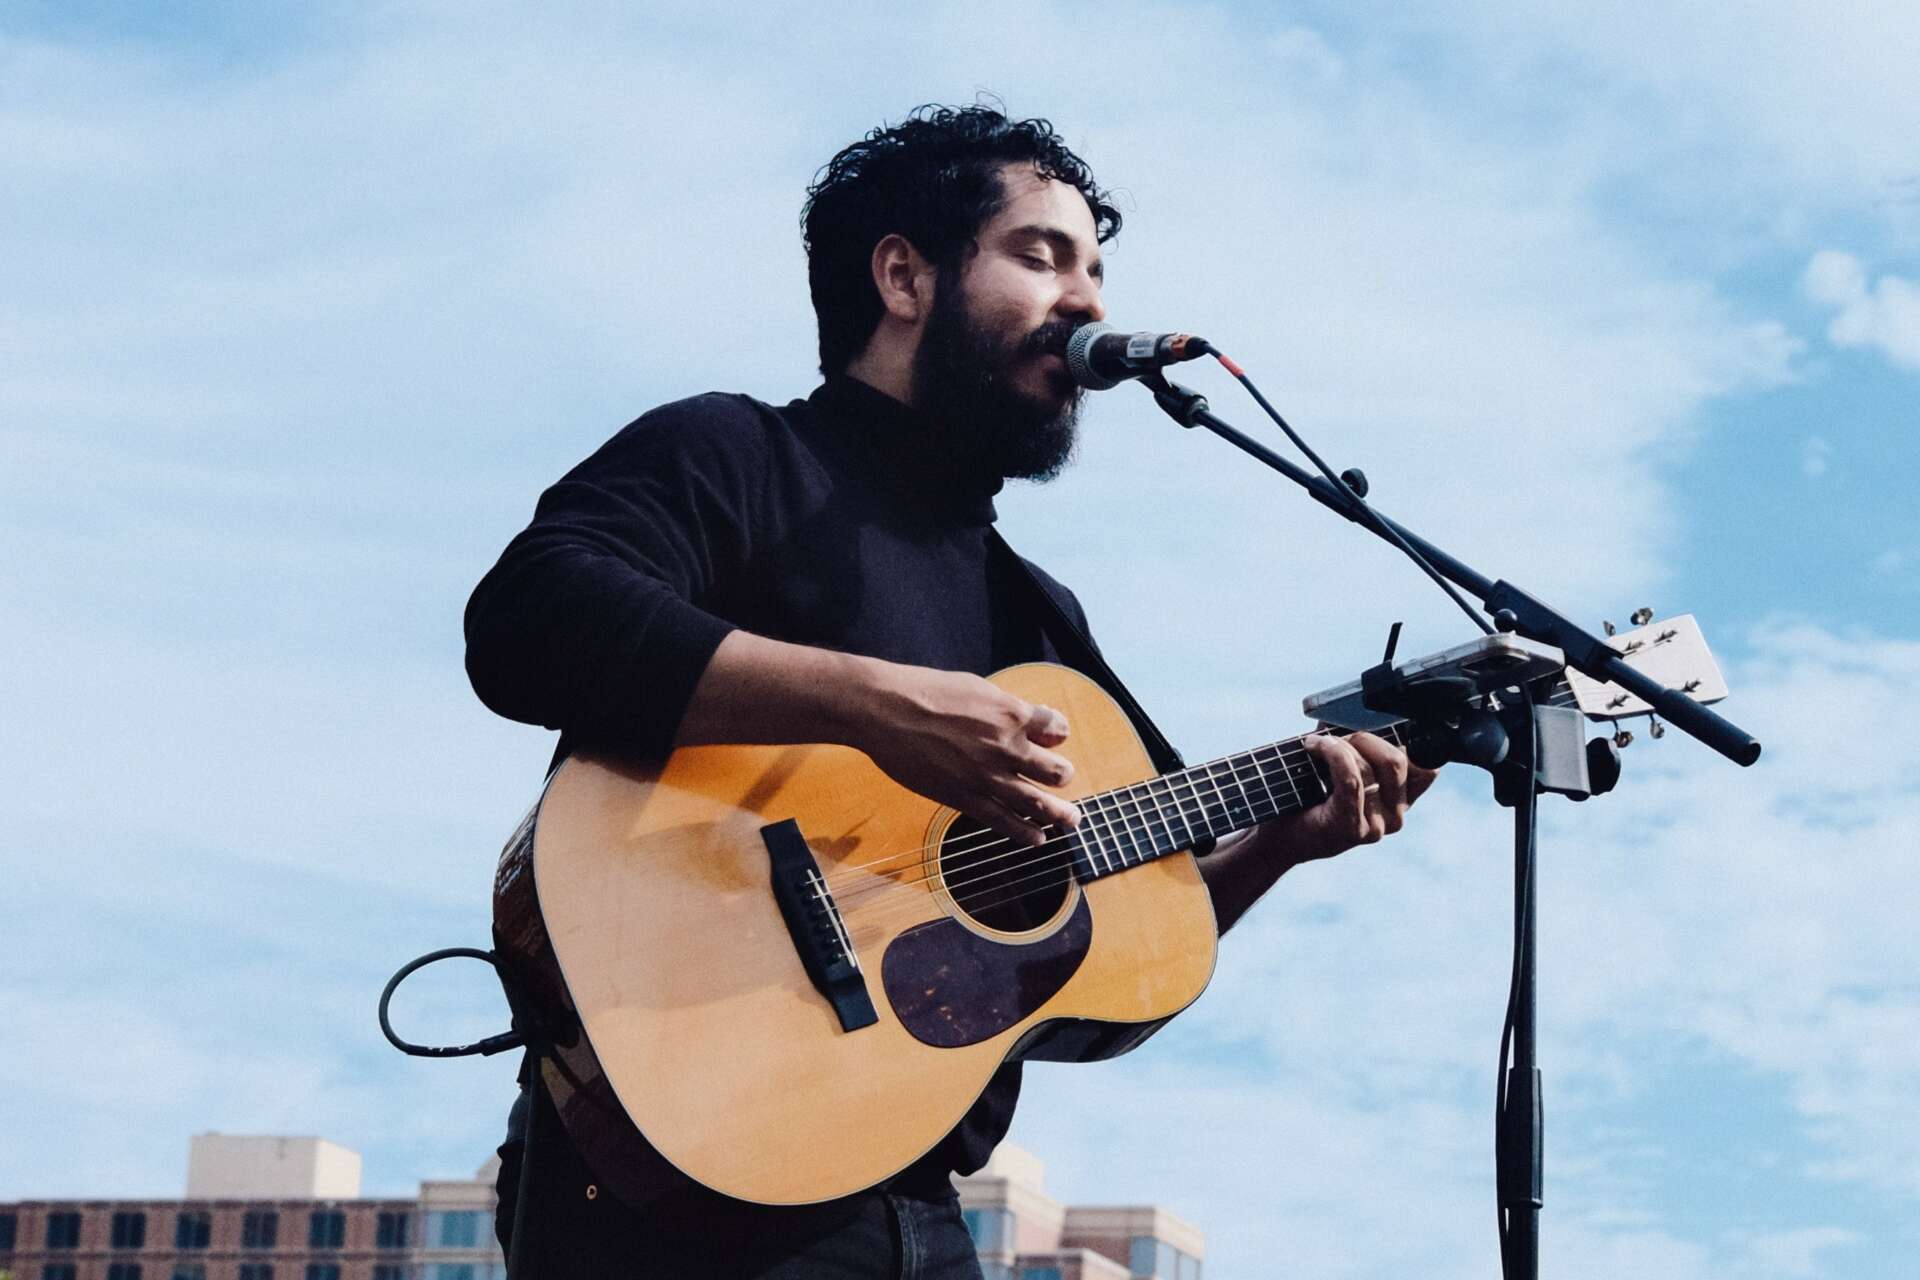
x=1183, y=404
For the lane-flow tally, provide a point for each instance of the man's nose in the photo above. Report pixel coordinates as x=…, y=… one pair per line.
x=1082, y=301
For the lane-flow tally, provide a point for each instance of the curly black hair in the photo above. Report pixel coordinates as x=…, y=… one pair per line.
x=933, y=178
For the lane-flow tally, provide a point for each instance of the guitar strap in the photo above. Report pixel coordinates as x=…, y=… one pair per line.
x=1077, y=651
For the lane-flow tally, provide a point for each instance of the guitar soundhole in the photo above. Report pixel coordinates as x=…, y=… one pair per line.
x=999, y=884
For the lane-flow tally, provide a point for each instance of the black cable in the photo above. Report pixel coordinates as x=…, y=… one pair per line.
x=506, y=1040
x=530, y=1035
x=1346, y=490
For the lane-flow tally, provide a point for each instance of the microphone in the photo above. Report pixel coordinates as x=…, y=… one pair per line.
x=1100, y=356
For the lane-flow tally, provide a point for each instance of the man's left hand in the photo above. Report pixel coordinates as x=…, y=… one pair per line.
x=1371, y=785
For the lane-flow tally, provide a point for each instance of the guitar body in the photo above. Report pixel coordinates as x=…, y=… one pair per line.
x=635, y=907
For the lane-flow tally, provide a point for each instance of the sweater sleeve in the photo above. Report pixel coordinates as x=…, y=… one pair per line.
x=591, y=623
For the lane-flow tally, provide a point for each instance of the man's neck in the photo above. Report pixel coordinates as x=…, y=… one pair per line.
x=885, y=367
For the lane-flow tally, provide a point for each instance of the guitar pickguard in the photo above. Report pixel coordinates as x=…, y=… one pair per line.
x=951, y=987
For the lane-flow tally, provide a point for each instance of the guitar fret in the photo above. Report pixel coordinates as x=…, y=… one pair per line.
x=1164, y=843
x=1244, y=816
x=1104, y=845
x=1215, y=784
x=1165, y=791
x=1129, y=801
x=1117, y=827
x=1200, y=808
x=1266, y=780
x=1135, y=816
x=1291, y=800
x=1131, y=825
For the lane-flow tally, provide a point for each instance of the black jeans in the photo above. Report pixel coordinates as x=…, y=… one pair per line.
x=577, y=1232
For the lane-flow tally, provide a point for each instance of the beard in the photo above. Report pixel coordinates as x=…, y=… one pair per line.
x=963, y=376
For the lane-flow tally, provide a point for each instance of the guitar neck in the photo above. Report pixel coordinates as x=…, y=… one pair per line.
x=1130, y=825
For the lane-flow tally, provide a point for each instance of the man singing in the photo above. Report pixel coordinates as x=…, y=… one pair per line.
x=728, y=571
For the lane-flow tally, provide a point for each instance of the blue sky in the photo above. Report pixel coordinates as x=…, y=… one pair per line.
x=300, y=308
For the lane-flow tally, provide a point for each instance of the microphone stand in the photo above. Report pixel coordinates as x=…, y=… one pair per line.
x=1542, y=762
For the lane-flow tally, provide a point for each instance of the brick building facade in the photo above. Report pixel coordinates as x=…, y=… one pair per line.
x=294, y=1232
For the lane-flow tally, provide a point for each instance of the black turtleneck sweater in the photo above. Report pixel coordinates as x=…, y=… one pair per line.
x=839, y=521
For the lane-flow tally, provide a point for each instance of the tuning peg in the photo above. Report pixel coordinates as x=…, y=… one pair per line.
x=1622, y=737
x=1609, y=628
x=1655, y=729
x=1641, y=616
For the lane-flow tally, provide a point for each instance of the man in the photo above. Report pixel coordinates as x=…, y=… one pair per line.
x=725, y=571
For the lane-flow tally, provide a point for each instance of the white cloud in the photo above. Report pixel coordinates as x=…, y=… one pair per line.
x=1895, y=561
x=1765, y=118
x=1884, y=314
x=1796, y=1253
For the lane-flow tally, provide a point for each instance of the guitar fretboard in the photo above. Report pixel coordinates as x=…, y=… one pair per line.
x=1130, y=825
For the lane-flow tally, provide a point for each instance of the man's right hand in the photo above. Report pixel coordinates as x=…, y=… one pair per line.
x=952, y=737
x=966, y=742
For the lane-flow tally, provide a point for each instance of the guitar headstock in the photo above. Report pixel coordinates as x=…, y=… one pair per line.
x=1671, y=651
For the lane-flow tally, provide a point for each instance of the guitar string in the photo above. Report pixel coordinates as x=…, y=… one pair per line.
x=1131, y=827
x=989, y=836
x=1047, y=856
x=1055, y=854
x=1189, y=777
x=974, y=892
x=876, y=914
x=1109, y=805
x=1104, y=847
x=1098, y=810
x=871, y=914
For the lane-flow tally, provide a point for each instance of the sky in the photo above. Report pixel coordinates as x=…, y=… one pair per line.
x=301, y=306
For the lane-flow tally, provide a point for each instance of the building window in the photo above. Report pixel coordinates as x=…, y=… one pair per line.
x=193, y=1229
x=1040, y=1273
x=189, y=1271
x=63, y=1231
x=1154, y=1257
x=453, y=1271
x=57, y=1271
x=389, y=1271
x=9, y=1224
x=1189, y=1267
x=123, y=1271
x=323, y=1271
x=129, y=1230
x=326, y=1229
x=390, y=1231
x=256, y=1271
x=989, y=1228
x=260, y=1229
x=454, y=1229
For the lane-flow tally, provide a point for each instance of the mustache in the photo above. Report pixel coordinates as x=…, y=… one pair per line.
x=1050, y=339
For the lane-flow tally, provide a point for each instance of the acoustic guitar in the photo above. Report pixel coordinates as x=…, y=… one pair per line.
x=776, y=972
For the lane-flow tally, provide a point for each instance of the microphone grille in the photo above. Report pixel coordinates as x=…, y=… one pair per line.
x=1079, y=357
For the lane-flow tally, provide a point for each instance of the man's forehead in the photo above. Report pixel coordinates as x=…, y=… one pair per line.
x=1034, y=200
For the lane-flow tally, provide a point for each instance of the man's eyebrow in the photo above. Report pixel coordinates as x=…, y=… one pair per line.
x=1061, y=243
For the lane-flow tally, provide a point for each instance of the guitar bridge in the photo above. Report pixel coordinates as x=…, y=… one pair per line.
x=813, y=921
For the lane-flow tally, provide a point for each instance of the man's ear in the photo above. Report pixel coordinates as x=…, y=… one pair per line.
x=904, y=279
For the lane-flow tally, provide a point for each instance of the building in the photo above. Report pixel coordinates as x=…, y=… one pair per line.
x=1022, y=1233
x=260, y=1208
x=304, y=1219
